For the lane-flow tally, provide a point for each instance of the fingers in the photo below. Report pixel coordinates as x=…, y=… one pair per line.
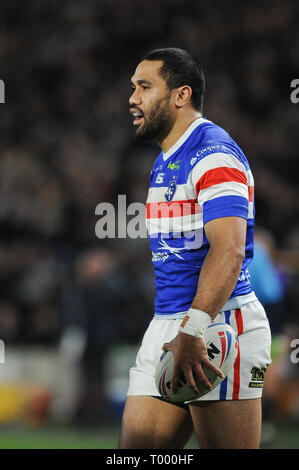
x=192, y=362
x=195, y=375
x=192, y=375
x=209, y=364
x=199, y=369
x=178, y=377
x=191, y=380
x=201, y=376
x=175, y=381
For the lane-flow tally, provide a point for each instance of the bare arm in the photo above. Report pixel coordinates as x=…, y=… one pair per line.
x=222, y=266
x=218, y=277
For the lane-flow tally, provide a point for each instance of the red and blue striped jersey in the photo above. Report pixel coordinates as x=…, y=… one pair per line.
x=203, y=176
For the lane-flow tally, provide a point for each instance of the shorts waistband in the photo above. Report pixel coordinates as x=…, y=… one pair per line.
x=231, y=304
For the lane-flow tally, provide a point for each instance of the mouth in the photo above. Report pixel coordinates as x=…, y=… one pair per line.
x=137, y=117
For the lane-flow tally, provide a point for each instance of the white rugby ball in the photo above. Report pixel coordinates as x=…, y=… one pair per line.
x=222, y=346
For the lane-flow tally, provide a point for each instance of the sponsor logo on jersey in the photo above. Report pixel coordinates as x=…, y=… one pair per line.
x=172, y=249
x=213, y=149
x=244, y=276
x=257, y=377
x=160, y=178
x=170, y=190
x=159, y=256
x=175, y=165
x=157, y=168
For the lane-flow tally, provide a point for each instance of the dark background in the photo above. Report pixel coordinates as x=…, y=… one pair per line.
x=66, y=145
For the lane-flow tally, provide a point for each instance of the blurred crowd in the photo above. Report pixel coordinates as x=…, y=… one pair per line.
x=66, y=145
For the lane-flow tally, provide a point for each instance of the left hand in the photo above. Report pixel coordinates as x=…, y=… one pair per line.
x=190, y=355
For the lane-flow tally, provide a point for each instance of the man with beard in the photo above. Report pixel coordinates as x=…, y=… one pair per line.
x=202, y=246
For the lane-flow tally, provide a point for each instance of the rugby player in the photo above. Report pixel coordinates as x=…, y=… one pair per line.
x=200, y=222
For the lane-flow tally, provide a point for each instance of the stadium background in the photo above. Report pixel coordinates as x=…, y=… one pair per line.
x=73, y=307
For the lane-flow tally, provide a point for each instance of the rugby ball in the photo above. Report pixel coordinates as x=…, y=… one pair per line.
x=222, y=346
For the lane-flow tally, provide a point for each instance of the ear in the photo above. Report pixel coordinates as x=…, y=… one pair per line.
x=183, y=96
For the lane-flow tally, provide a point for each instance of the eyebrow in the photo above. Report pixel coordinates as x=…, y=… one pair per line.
x=142, y=81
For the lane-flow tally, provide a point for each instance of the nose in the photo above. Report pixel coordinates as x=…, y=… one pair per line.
x=135, y=98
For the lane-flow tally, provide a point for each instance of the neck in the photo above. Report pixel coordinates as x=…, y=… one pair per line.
x=179, y=128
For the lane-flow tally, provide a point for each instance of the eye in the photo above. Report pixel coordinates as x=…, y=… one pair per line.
x=145, y=87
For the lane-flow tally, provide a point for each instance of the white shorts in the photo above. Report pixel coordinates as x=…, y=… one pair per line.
x=247, y=376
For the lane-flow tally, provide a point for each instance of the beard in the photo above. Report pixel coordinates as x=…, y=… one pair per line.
x=158, y=122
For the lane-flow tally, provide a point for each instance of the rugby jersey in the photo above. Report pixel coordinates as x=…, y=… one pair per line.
x=203, y=176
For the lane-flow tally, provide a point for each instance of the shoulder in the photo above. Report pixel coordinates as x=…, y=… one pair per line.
x=211, y=139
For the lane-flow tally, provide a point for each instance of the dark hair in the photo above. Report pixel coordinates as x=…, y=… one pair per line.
x=180, y=68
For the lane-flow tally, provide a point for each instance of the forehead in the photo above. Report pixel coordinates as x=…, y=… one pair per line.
x=148, y=70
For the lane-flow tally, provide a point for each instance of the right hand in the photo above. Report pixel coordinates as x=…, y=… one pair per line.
x=190, y=355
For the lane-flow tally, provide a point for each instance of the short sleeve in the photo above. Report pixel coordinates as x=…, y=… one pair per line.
x=220, y=182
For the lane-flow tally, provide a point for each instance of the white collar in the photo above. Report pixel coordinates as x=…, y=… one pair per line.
x=184, y=137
